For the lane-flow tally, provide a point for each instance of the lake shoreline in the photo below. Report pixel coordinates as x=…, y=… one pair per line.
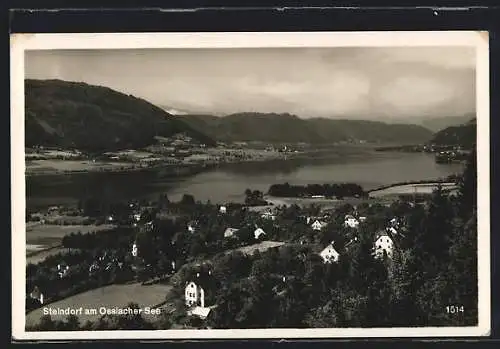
x=227, y=182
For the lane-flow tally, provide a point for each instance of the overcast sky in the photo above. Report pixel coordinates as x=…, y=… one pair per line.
x=367, y=83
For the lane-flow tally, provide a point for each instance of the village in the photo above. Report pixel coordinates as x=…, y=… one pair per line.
x=177, y=150
x=176, y=244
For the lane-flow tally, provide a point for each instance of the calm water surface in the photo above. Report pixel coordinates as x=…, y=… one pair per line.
x=228, y=183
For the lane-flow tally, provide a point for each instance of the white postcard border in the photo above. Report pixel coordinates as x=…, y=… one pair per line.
x=22, y=42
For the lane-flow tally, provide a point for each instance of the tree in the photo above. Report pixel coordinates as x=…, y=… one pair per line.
x=403, y=278
x=324, y=316
x=188, y=200
x=462, y=286
x=72, y=323
x=468, y=188
x=46, y=324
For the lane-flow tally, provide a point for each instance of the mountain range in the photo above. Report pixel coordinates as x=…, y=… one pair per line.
x=287, y=128
x=96, y=119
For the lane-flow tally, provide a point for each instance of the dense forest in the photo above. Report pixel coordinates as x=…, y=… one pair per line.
x=434, y=266
x=63, y=114
x=286, y=128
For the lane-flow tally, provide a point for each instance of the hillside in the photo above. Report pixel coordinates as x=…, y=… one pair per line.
x=463, y=135
x=286, y=128
x=440, y=123
x=94, y=118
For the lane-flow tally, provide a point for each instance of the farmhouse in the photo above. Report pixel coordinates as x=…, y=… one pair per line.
x=318, y=225
x=351, y=222
x=329, y=254
x=195, y=295
x=195, y=300
x=383, y=245
x=223, y=209
x=230, y=232
x=258, y=233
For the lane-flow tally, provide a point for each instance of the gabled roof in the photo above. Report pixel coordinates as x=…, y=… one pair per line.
x=201, y=312
x=329, y=247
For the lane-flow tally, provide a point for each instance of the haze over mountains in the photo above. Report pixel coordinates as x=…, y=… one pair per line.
x=96, y=118
x=287, y=128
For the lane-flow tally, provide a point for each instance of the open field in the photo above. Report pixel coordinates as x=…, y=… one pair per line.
x=420, y=188
x=261, y=247
x=39, y=255
x=61, y=166
x=51, y=234
x=108, y=297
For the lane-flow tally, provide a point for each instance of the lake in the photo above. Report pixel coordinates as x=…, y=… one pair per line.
x=228, y=182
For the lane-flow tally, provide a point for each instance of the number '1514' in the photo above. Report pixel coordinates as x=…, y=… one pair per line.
x=454, y=309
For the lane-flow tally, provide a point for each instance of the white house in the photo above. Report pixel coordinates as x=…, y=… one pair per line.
x=351, y=222
x=223, y=209
x=137, y=217
x=318, y=225
x=329, y=254
x=195, y=295
x=362, y=218
x=258, y=233
x=36, y=294
x=134, y=249
x=230, y=232
x=62, y=270
x=268, y=215
x=383, y=245
x=191, y=227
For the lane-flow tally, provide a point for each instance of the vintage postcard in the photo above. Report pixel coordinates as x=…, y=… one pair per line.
x=250, y=185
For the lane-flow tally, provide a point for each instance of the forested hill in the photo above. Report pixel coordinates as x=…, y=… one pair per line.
x=463, y=135
x=286, y=128
x=95, y=118
x=440, y=123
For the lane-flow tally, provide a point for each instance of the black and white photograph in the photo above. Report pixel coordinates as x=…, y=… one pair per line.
x=250, y=185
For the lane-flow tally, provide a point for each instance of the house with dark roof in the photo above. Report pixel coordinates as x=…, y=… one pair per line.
x=330, y=254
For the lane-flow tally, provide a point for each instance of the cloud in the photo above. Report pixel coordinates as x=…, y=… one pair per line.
x=331, y=82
